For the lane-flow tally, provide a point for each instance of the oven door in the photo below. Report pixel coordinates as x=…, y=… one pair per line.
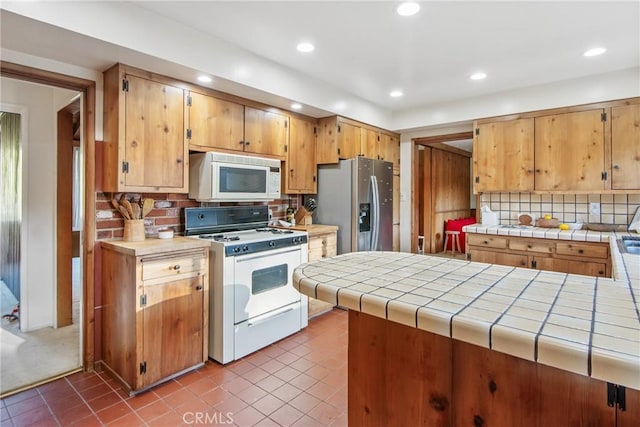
x=263, y=282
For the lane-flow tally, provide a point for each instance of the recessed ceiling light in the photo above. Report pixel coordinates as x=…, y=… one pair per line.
x=478, y=76
x=205, y=79
x=396, y=93
x=595, y=51
x=408, y=8
x=296, y=106
x=305, y=47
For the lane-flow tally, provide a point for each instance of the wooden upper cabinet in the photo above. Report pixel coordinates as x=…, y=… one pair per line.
x=340, y=138
x=145, y=148
x=265, y=132
x=327, y=141
x=301, y=166
x=503, y=156
x=390, y=149
x=570, y=151
x=214, y=123
x=369, y=143
x=349, y=140
x=625, y=147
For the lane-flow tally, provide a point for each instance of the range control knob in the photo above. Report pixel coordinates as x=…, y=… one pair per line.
x=272, y=243
x=245, y=248
x=236, y=249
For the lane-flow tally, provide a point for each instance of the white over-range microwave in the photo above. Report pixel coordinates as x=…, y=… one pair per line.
x=222, y=177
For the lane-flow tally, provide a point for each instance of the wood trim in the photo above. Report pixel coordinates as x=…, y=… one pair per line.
x=64, y=206
x=415, y=185
x=438, y=139
x=362, y=125
x=561, y=110
x=88, y=88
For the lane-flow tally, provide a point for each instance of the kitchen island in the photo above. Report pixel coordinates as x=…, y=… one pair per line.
x=439, y=341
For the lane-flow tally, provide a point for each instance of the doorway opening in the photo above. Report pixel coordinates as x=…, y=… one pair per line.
x=441, y=189
x=77, y=293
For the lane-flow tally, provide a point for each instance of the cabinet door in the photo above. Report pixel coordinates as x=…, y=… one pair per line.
x=215, y=123
x=369, y=143
x=301, y=158
x=173, y=327
x=265, y=132
x=154, y=146
x=569, y=151
x=625, y=147
x=586, y=268
x=489, y=257
x=503, y=156
x=327, y=141
x=348, y=140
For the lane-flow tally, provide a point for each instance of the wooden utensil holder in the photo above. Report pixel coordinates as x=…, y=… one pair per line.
x=133, y=230
x=303, y=217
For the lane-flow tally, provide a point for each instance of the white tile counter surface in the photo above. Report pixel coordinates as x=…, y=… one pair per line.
x=582, y=324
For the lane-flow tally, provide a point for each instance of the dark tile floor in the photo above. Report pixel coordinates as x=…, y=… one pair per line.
x=299, y=381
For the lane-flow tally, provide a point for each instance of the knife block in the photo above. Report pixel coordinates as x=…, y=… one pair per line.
x=133, y=230
x=303, y=217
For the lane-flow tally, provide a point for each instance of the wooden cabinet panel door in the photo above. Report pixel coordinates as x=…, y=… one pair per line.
x=265, y=132
x=569, y=151
x=155, y=146
x=625, y=147
x=172, y=323
x=348, y=140
x=514, y=260
x=301, y=158
x=369, y=143
x=327, y=141
x=586, y=268
x=215, y=123
x=503, y=156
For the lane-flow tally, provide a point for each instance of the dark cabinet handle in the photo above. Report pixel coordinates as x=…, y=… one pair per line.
x=247, y=143
x=176, y=267
x=580, y=251
x=198, y=288
x=241, y=142
x=485, y=242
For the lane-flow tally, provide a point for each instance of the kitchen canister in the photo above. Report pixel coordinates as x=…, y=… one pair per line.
x=133, y=230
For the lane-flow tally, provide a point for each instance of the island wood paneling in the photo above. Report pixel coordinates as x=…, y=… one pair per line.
x=401, y=375
x=397, y=375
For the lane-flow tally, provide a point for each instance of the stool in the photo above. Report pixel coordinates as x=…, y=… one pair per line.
x=455, y=236
x=421, y=244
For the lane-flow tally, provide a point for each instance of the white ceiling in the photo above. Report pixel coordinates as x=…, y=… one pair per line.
x=363, y=48
x=366, y=48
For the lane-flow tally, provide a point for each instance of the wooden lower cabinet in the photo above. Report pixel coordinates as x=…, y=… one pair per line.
x=155, y=314
x=586, y=258
x=401, y=375
x=322, y=244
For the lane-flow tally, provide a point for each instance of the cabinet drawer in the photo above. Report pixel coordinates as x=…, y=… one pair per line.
x=487, y=241
x=168, y=267
x=531, y=246
x=583, y=250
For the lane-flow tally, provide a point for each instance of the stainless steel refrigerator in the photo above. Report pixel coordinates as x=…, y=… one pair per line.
x=357, y=196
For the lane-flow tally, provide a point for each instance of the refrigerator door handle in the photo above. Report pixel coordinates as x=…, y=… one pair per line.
x=375, y=232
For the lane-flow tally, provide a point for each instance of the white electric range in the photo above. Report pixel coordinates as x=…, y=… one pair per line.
x=252, y=301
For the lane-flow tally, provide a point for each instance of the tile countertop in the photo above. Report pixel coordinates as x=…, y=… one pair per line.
x=582, y=324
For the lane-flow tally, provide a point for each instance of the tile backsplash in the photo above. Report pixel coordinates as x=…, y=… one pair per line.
x=614, y=208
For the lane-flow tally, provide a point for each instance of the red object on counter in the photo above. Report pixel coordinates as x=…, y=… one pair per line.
x=456, y=225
